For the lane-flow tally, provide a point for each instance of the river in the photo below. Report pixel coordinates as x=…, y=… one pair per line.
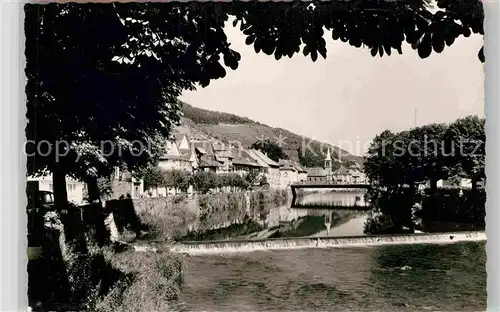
x=409, y=277
x=450, y=277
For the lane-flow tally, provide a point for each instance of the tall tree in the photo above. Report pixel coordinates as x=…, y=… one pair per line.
x=88, y=87
x=466, y=141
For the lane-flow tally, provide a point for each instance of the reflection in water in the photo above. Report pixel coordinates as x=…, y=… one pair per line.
x=384, y=278
x=320, y=220
x=295, y=222
x=331, y=199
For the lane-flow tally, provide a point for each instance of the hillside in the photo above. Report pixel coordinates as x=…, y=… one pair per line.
x=206, y=124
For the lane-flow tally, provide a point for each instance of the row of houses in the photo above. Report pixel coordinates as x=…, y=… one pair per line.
x=185, y=154
x=182, y=153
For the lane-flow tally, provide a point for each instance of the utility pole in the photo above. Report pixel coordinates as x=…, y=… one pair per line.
x=415, y=118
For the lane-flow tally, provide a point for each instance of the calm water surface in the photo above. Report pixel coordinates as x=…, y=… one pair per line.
x=442, y=277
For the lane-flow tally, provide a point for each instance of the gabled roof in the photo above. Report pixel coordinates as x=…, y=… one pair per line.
x=282, y=162
x=203, y=147
x=179, y=136
x=187, y=153
x=201, y=150
x=341, y=171
x=271, y=163
x=219, y=146
x=223, y=154
x=299, y=168
x=316, y=172
x=288, y=167
x=241, y=157
x=256, y=157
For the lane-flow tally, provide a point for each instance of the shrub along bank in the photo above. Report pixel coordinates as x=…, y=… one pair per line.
x=87, y=277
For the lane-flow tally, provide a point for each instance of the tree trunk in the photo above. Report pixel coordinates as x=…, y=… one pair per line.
x=71, y=219
x=474, y=182
x=433, y=182
x=93, y=190
x=96, y=214
x=60, y=191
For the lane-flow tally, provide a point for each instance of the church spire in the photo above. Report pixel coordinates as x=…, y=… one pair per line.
x=328, y=157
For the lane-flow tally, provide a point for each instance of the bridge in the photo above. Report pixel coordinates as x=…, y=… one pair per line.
x=324, y=185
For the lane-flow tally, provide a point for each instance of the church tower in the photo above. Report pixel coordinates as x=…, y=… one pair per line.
x=328, y=166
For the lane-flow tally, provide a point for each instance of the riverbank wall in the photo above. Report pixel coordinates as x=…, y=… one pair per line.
x=174, y=216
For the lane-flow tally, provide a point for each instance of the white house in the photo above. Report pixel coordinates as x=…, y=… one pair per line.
x=271, y=168
x=174, y=159
x=288, y=175
x=74, y=187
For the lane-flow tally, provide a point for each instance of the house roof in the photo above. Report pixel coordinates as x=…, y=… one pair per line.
x=341, y=171
x=288, y=167
x=299, y=168
x=241, y=157
x=201, y=150
x=219, y=146
x=186, y=153
x=316, y=172
x=223, y=154
x=179, y=136
x=282, y=162
x=266, y=159
x=256, y=157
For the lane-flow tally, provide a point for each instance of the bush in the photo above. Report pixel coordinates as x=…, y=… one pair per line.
x=378, y=223
x=204, y=181
x=152, y=283
x=168, y=222
x=449, y=205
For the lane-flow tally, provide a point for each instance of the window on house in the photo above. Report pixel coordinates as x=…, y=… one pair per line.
x=117, y=173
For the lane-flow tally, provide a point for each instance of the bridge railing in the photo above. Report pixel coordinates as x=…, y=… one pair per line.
x=330, y=183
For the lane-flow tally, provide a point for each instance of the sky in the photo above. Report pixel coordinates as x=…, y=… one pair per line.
x=349, y=97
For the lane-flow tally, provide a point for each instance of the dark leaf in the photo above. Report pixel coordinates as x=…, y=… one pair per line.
x=438, y=42
x=249, y=40
x=481, y=54
x=425, y=47
x=268, y=47
x=387, y=49
x=374, y=51
x=322, y=51
x=258, y=45
x=449, y=40
x=381, y=51
x=466, y=32
x=306, y=50
x=314, y=55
